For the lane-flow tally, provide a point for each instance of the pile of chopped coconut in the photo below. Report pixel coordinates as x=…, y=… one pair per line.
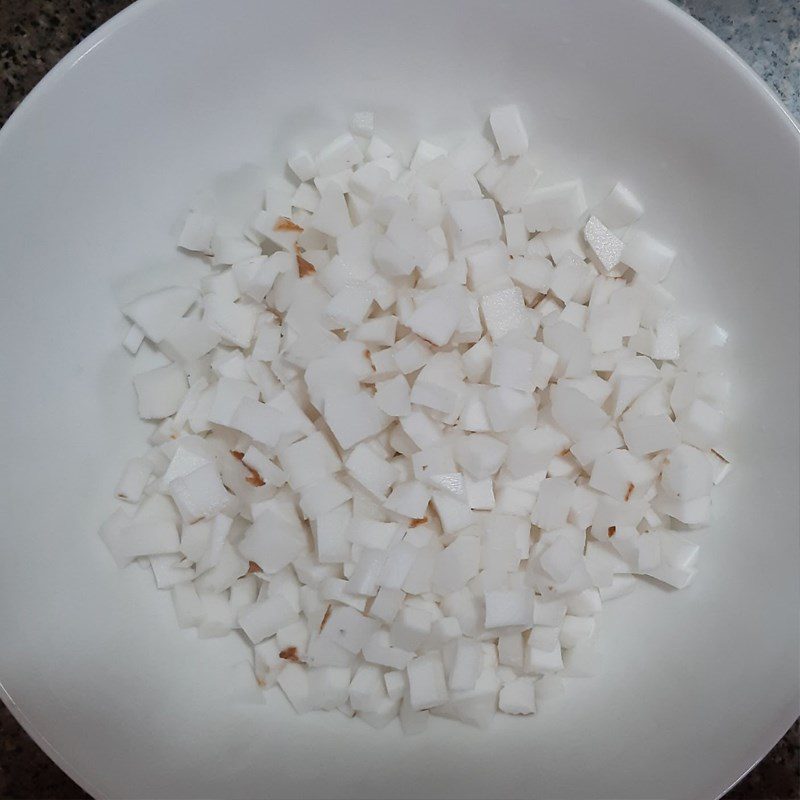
x=416, y=423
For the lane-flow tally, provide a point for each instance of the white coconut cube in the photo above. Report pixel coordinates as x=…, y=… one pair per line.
x=510, y=650
x=371, y=470
x=576, y=629
x=456, y=564
x=540, y=661
x=647, y=256
x=348, y=307
x=558, y=206
x=160, y=391
x=349, y=629
x=407, y=234
x=409, y=499
x=686, y=473
x=516, y=233
x=330, y=531
x=265, y=618
x=463, y=664
x=473, y=221
x=518, y=697
x=362, y=123
x=364, y=577
x=133, y=339
x=480, y=455
x=323, y=496
x=260, y=422
x=332, y=216
x=701, y=425
x=302, y=164
x=533, y=449
x=354, y=418
x=515, y=184
x=410, y=354
x=559, y=559
x=549, y=612
x=509, y=608
x=199, y=494
x=144, y=538
x=227, y=395
x=480, y=494
x=426, y=681
x=575, y=413
x=329, y=687
x=396, y=684
x=569, y=276
x=477, y=706
x=156, y=313
x=645, y=435
x=133, y=480
x=387, y=604
x=513, y=363
x=367, y=688
x=606, y=247
x=400, y=560
x=454, y=513
x=477, y=359
x=410, y=628
x=533, y=272
x=378, y=330
x=234, y=322
x=197, y=231
x=503, y=311
x=509, y=131
x=619, y=208
x=380, y=650
x=340, y=154
x=309, y=460
x=272, y=542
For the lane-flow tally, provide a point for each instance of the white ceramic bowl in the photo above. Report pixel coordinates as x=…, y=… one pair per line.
x=96, y=169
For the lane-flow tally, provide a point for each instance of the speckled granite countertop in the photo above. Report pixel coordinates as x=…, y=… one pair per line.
x=765, y=33
x=35, y=34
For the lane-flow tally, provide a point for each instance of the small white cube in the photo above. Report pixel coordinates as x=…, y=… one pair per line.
x=473, y=221
x=410, y=628
x=426, y=681
x=518, y=697
x=363, y=124
x=509, y=131
x=509, y=608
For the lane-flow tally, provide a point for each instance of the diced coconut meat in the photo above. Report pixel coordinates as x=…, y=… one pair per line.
x=411, y=453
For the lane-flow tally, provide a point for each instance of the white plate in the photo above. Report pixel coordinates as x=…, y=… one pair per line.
x=96, y=169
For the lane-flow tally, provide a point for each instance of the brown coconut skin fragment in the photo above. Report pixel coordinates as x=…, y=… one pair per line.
x=252, y=567
x=254, y=479
x=325, y=617
x=303, y=267
x=285, y=224
x=290, y=654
